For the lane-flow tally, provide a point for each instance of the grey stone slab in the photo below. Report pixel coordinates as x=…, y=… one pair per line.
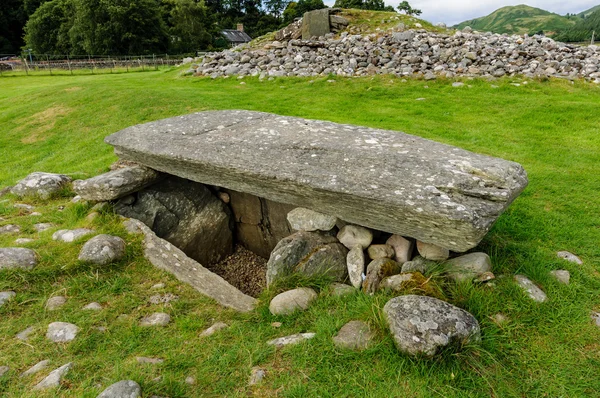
x=17, y=257
x=315, y=23
x=115, y=184
x=385, y=180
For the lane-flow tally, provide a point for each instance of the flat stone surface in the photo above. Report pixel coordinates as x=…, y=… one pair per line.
x=25, y=334
x=213, y=329
x=430, y=191
x=149, y=360
x=468, y=266
x=422, y=325
x=164, y=255
x=55, y=302
x=315, y=23
x=54, y=378
x=10, y=229
x=355, y=335
x=102, y=250
x=302, y=219
x=43, y=226
x=38, y=367
x=6, y=296
x=40, y=184
x=71, y=235
x=291, y=340
x=23, y=241
x=532, y=290
x=61, y=332
x=93, y=307
x=569, y=257
x=17, y=257
x=116, y=183
x=293, y=300
x=561, y=275
x=156, y=319
x=122, y=389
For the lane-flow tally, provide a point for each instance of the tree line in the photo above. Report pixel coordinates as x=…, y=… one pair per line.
x=138, y=27
x=586, y=28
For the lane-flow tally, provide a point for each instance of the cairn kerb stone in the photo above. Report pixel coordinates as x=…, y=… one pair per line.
x=433, y=192
x=41, y=184
x=115, y=184
x=315, y=23
x=166, y=256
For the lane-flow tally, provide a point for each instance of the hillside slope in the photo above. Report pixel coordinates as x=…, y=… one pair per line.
x=586, y=13
x=519, y=19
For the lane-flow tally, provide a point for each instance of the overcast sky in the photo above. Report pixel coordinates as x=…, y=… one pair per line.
x=454, y=11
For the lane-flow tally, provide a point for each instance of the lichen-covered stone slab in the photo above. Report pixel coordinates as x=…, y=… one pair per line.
x=116, y=183
x=381, y=179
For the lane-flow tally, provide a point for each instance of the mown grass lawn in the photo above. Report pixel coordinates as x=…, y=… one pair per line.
x=57, y=124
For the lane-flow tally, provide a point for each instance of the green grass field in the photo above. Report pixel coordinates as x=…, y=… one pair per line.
x=57, y=124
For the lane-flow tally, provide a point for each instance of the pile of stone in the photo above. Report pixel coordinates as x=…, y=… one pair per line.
x=408, y=53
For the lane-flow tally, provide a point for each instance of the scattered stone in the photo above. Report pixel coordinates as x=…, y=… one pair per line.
x=92, y=216
x=186, y=214
x=569, y=257
x=353, y=235
x=191, y=380
x=24, y=334
x=485, y=277
x=156, y=319
x=61, y=332
x=213, y=329
x=36, y=213
x=376, y=271
x=17, y=257
x=102, y=249
x=404, y=282
x=561, y=275
x=55, y=302
x=402, y=248
x=310, y=254
x=23, y=206
x=596, y=318
x=23, y=241
x=423, y=325
x=38, y=367
x=93, y=307
x=534, y=292
x=293, y=300
x=158, y=286
x=54, y=378
x=43, y=226
x=341, y=289
x=147, y=360
x=6, y=296
x=355, y=261
x=468, y=266
x=499, y=318
x=116, y=183
x=10, y=229
x=122, y=389
x=77, y=199
x=66, y=235
x=256, y=376
x=291, y=340
x=419, y=264
x=41, y=184
x=276, y=324
x=163, y=299
x=302, y=219
x=355, y=335
x=458, y=84
x=101, y=207
x=432, y=252
x=380, y=251
x=4, y=370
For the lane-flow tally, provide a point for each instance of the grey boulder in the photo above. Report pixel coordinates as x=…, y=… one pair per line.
x=402, y=248
x=54, y=378
x=419, y=264
x=380, y=251
x=422, y=325
x=10, y=229
x=55, y=302
x=377, y=270
x=156, y=319
x=122, y=389
x=561, y=275
x=186, y=214
x=291, y=339
x=353, y=235
x=468, y=266
x=71, y=235
x=102, y=249
x=355, y=262
x=116, y=183
x=532, y=290
x=41, y=184
x=355, y=335
x=17, y=257
x=6, y=296
x=565, y=255
x=292, y=300
x=302, y=219
x=308, y=253
x=61, y=332
x=38, y=367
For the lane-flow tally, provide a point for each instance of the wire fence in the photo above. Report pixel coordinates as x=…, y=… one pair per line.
x=47, y=64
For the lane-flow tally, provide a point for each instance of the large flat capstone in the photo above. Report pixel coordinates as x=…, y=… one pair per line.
x=382, y=179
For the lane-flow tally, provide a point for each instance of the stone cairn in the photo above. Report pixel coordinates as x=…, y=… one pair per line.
x=405, y=53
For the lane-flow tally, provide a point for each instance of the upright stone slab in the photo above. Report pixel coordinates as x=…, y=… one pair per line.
x=433, y=192
x=315, y=23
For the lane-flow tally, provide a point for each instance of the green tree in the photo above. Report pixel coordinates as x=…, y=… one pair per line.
x=191, y=26
x=297, y=9
x=582, y=30
x=407, y=9
x=375, y=5
x=47, y=30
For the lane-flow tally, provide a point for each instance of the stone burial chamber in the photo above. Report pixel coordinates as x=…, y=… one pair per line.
x=211, y=180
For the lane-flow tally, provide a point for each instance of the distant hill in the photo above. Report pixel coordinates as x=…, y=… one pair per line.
x=520, y=19
x=586, y=13
x=583, y=30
